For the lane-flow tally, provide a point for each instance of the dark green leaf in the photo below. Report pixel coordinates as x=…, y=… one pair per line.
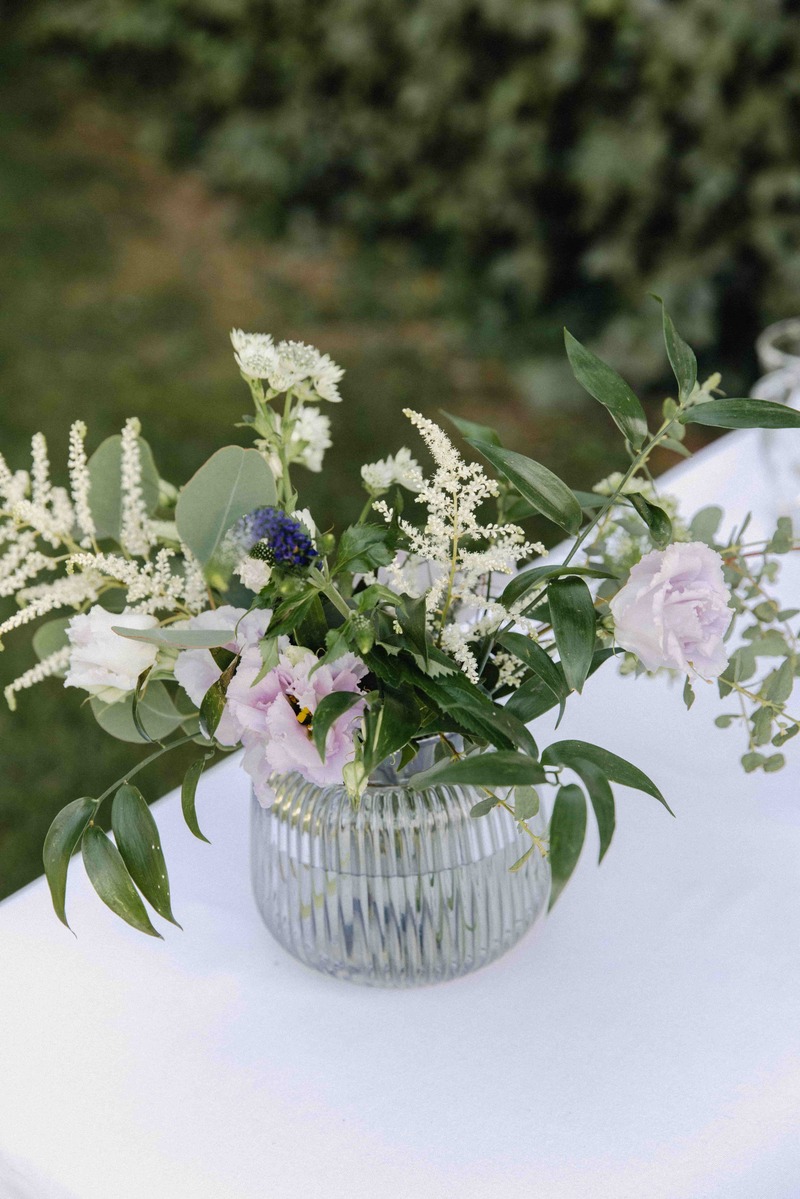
x=543, y=490
x=681, y=356
x=62, y=838
x=540, y=662
x=602, y=798
x=526, y=580
x=742, y=414
x=472, y=431
x=688, y=693
x=573, y=615
x=390, y=727
x=328, y=710
x=139, y=845
x=610, y=389
x=616, y=769
x=363, y=548
x=189, y=796
x=496, y=768
x=213, y=705
x=411, y=617
x=567, y=832
x=655, y=518
x=110, y=879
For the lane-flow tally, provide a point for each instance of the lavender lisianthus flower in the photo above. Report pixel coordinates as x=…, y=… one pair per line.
x=674, y=610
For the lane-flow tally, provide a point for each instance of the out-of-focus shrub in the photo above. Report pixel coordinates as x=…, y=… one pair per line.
x=556, y=156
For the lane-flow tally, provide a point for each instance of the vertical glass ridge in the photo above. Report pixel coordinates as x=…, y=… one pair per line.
x=403, y=890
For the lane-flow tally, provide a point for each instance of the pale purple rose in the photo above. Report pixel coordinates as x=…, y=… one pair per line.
x=266, y=712
x=196, y=670
x=674, y=610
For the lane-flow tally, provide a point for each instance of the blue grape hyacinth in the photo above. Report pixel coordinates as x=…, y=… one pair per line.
x=287, y=538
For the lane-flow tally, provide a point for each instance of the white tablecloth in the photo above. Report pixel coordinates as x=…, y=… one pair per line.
x=642, y=1043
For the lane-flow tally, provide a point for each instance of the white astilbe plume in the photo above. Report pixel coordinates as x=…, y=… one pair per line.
x=151, y=586
x=455, y=553
x=73, y=591
x=79, y=481
x=135, y=533
x=40, y=474
x=45, y=669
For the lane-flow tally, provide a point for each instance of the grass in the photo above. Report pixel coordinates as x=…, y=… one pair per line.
x=122, y=280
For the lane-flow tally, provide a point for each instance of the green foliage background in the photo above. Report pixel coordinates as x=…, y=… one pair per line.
x=560, y=158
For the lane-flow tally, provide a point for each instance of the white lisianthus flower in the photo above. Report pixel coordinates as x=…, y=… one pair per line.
x=674, y=610
x=254, y=573
x=101, y=661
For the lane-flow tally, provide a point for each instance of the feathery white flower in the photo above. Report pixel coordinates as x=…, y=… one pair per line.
x=80, y=483
x=54, y=664
x=134, y=533
x=40, y=476
x=70, y=592
x=402, y=469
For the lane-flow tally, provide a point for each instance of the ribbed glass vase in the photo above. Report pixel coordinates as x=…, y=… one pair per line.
x=404, y=889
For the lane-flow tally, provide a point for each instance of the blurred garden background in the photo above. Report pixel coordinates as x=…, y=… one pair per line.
x=427, y=191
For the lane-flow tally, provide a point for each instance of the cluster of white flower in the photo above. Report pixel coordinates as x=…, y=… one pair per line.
x=309, y=439
x=454, y=558
x=37, y=516
x=287, y=366
x=401, y=469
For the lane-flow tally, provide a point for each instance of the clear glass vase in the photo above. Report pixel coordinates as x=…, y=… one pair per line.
x=404, y=889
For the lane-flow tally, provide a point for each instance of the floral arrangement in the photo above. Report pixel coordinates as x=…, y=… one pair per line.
x=225, y=615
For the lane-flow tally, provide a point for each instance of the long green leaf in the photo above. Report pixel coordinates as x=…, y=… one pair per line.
x=539, y=661
x=567, y=832
x=610, y=389
x=742, y=414
x=213, y=703
x=59, y=845
x=227, y=487
x=655, y=518
x=471, y=430
x=189, y=796
x=543, y=490
x=391, y=727
x=602, y=797
x=681, y=356
x=497, y=768
x=616, y=769
x=328, y=711
x=526, y=580
x=109, y=877
x=573, y=616
x=139, y=845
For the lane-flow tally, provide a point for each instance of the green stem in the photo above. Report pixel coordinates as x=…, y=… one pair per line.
x=163, y=749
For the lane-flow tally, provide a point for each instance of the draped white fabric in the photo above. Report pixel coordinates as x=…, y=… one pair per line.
x=642, y=1041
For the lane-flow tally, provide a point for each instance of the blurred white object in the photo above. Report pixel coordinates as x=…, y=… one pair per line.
x=778, y=349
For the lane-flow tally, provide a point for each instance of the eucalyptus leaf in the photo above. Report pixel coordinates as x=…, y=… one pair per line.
x=705, y=524
x=496, y=768
x=573, y=616
x=50, y=637
x=230, y=485
x=484, y=806
x=109, y=877
x=526, y=803
x=105, y=485
x=543, y=490
x=139, y=845
x=156, y=710
x=742, y=414
x=176, y=637
x=610, y=389
x=60, y=843
x=567, y=833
